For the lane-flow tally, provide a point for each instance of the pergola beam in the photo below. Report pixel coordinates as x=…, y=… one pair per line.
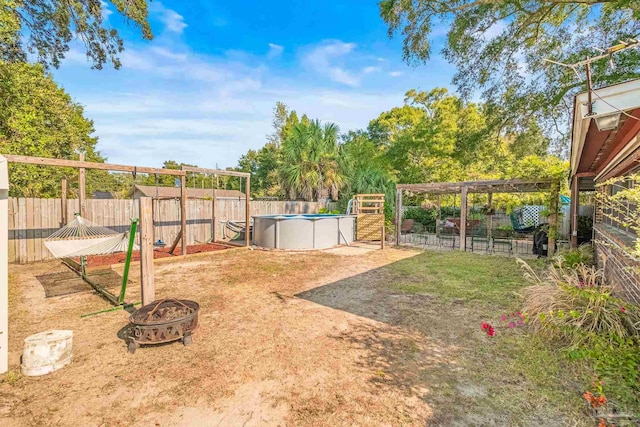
x=489, y=186
x=215, y=171
x=46, y=161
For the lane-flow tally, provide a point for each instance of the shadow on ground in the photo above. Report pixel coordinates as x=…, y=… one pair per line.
x=416, y=343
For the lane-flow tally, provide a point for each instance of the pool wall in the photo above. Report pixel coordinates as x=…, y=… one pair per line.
x=302, y=231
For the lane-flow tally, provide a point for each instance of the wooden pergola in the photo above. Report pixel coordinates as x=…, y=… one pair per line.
x=488, y=187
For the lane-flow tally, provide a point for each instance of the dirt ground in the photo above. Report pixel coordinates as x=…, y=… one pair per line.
x=101, y=260
x=312, y=338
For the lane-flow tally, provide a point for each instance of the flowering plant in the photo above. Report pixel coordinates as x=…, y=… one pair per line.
x=510, y=321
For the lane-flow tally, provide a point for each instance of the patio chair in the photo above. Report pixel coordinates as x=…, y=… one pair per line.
x=479, y=239
x=406, y=226
x=448, y=234
x=502, y=238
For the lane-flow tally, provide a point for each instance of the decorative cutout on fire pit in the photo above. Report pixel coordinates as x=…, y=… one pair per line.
x=164, y=321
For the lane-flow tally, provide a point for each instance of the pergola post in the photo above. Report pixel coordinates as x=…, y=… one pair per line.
x=575, y=203
x=438, y=204
x=398, y=215
x=247, y=206
x=82, y=177
x=553, y=219
x=183, y=214
x=463, y=218
x=490, y=217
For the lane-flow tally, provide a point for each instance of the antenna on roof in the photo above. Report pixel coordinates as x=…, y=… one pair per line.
x=605, y=53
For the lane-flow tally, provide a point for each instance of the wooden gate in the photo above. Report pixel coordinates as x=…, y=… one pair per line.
x=369, y=209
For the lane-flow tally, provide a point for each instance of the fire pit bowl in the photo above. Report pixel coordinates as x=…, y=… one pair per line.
x=163, y=321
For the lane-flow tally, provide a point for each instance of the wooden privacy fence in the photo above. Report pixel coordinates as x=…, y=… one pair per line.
x=32, y=220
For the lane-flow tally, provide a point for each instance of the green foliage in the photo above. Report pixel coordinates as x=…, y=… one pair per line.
x=573, y=308
x=38, y=118
x=329, y=211
x=585, y=226
x=426, y=217
x=572, y=258
x=45, y=28
x=310, y=168
x=614, y=362
x=498, y=49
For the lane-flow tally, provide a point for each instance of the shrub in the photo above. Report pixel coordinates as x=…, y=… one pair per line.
x=426, y=217
x=572, y=258
x=572, y=306
x=327, y=211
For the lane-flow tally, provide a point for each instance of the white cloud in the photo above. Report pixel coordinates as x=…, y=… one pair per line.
x=328, y=59
x=106, y=12
x=172, y=20
x=396, y=73
x=275, y=50
x=168, y=102
x=370, y=70
x=495, y=30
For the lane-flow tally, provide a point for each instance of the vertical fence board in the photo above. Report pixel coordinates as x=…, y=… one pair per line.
x=32, y=220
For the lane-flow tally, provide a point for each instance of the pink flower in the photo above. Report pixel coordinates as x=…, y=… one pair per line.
x=512, y=325
x=485, y=326
x=491, y=332
x=503, y=317
x=520, y=314
x=622, y=309
x=520, y=322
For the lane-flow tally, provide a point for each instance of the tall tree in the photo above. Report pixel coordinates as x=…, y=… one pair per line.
x=498, y=47
x=45, y=28
x=38, y=118
x=264, y=163
x=310, y=168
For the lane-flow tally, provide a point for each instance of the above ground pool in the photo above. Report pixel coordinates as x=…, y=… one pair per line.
x=306, y=231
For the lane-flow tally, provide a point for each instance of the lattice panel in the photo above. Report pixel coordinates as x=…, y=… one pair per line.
x=369, y=227
x=530, y=215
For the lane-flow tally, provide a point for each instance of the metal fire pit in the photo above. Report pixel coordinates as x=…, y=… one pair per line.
x=164, y=321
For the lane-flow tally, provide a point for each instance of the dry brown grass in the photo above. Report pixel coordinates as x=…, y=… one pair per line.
x=310, y=339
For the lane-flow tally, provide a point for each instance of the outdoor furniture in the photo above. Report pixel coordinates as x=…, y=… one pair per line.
x=479, y=238
x=407, y=226
x=518, y=225
x=448, y=234
x=502, y=239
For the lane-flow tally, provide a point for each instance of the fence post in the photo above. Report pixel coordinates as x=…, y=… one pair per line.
x=63, y=201
x=183, y=214
x=553, y=219
x=463, y=219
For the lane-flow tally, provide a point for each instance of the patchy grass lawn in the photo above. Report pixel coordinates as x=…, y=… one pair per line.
x=314, y=339
x=518, y=375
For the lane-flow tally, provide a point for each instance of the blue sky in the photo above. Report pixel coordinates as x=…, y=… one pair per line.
x=203, y=90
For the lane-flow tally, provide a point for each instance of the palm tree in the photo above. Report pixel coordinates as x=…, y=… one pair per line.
x=310, y=168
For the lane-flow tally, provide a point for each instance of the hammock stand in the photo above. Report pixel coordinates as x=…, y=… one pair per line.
x=81, y=238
